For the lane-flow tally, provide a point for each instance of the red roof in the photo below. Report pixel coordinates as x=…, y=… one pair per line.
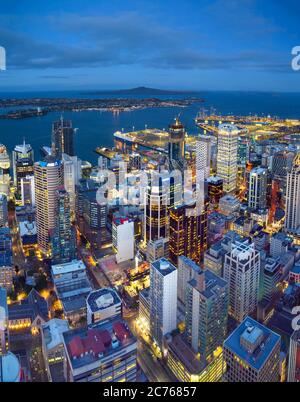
x=76, y=347
x=120, y=331
x=93, y=342
x=105, y=337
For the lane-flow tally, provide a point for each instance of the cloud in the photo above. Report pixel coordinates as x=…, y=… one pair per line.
x=133, y=39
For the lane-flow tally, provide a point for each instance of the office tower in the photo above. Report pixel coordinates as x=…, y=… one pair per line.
x=4, y=335
x=156, y=211
x=242, y=271
x=63, y=242
x=203, y=154
x=48, y=176
x=163, y=299
x=157, y=249
x=27, y=191
x=187, y=270
x=4, y=170
x=243, y=151
x=279, y=244
x=257, y=195
x=294, y=358
x=206, y=313
x=282, y=162
x=271, y=276
x=21, y=153
x=176, y=144
x=103, y=304
x=3, y=210
x=213, y=258
x=227, y=156
x=63, y=137
x=105, y=353
x=72, y=176
x=214, y=190
x=251, y=353
x=123, y=239
x=5, y=247
x=188, y=232
x=23, y=160
x=292, y=206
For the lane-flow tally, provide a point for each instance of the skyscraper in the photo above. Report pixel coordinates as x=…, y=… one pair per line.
x=48, y=176
x=206, y=313
x=176, y=144
x=23, y=159
x=203, y=154
x=227, y=156
x=188, y=232
x=72, y=175
x=163, y=299
x=242, y=271
x=251, y=353
x=3, y=210
x=156, y=212
x=257, y=195
x=292, y=206
x=63, y=137
x=4, y=170
x=63, y=235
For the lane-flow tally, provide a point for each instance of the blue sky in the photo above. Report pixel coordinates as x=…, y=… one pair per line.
x=179, y=44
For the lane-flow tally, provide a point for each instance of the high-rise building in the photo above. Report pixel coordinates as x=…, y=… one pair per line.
x=3, y=210
x=294, y=358
x=48, y=177
x=156, y=212
x=157, y=249
x=188, y=232
x=5, y=247
x=206, y=313
x=251, y=353
x=227, y=156
x=257, y=194
x=63, y=243
x=4, y=170
x=176, y=144
x=23, y=160
x=292, y=206
x=27, y=191
x=72, y=176
x=63, y=137
x=242, y=272
x=4, y=335
x=187, y=270
x=203, y=154
x=123, y=239
x=214, y=190
x=163, y=299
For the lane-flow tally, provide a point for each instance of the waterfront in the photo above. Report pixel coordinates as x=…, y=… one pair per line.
x=97, y=128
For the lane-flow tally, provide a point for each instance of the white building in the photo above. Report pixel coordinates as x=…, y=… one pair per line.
x=227, y=157
x=187, y=270
x=72, y=175
x=27, y=191
x=292, y=206
x=123, y=239
x=163, y=299
x=257, y=195
x=203, y=154
x=242, y=272
x=103, y=304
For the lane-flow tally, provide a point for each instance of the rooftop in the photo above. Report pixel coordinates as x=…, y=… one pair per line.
x=53, y=330
x=73, y=266
x=212, y=284
x=163, y=266
x=88, y=345
x=252, y=342
x=34, y=305
x=102, y=298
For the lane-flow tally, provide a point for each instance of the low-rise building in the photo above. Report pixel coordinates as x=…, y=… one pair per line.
x=102, y=304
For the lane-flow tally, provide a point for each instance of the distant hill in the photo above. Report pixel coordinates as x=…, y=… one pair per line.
x=142, y=91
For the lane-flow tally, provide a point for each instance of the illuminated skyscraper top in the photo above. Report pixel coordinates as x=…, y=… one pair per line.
x=176, y=143
x=227, y=156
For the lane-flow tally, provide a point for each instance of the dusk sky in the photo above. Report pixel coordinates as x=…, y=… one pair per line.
x=184, y=44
